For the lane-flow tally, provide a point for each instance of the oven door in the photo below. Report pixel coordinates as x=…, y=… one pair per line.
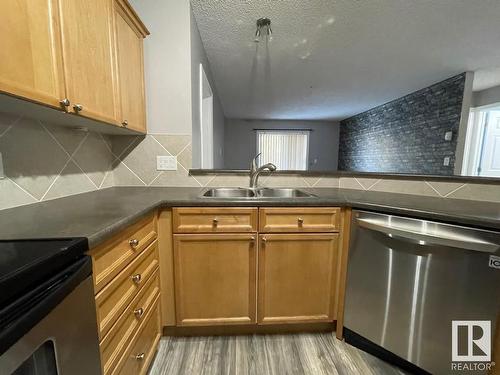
x=64, y=341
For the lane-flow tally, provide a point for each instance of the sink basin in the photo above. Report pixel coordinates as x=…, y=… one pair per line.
x=282, y=193
x=258, y=193
x=229, y=193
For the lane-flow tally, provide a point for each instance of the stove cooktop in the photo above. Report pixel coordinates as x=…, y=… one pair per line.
x=25, y=264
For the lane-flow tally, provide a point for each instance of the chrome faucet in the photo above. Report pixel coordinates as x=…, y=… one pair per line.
x=255, y=172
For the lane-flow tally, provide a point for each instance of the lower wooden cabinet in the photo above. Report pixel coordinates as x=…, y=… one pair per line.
x=215, y=279
x=127, y=296
x=297, y=274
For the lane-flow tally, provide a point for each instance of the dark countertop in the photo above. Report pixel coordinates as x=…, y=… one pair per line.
x=100, y=214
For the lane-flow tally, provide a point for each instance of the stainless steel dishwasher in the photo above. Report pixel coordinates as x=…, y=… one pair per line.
x=408, y=279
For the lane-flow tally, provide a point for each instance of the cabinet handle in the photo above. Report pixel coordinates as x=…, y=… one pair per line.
x=136, y=278
x=65, y=102
x=133, y=242
x=215, y=221
x=264, y=239
x=139, y=312
x=140, y=357
x=125, y=123
x=78, y=107
x=300, y=221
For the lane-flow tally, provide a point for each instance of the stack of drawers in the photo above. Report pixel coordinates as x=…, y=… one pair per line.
x=127, y=287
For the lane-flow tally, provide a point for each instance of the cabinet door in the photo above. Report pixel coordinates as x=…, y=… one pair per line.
x=30, y=54
x=297, y=278
x=88, y=57
x=130, y=59
x=215, y=279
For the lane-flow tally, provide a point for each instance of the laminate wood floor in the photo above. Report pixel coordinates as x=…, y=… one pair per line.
x=315, y=353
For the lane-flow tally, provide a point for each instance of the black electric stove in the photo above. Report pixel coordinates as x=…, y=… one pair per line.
x=35, y=275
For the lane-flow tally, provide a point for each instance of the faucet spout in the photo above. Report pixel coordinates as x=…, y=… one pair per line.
x=255, y=172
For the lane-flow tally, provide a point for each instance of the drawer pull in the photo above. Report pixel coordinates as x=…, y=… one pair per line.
x=300, y=221
x=139, y=312
x=140, y=357
x=215, y=221
x=264, y=239
x=136, y=278
x=133, y=242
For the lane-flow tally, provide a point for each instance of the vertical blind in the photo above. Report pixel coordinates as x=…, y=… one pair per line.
x=288, y=150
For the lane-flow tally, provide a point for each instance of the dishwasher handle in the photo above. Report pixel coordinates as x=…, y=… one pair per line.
x=424, y=237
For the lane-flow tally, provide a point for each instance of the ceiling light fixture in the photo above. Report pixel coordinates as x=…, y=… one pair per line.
x=263, y=28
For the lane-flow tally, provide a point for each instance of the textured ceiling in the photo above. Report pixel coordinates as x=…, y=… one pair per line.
x=330, y=59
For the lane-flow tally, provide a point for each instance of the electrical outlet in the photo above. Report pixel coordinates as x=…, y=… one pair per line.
x=2, y=175
x=166, y=163
x=448, y=136
x=446, y=161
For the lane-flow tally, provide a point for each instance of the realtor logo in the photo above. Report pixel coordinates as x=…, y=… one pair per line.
x=471, y=341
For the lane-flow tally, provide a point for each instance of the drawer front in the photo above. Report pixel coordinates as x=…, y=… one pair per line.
x=291, y=220
x=214, y=220
x=115, y=342
x=140, y=353
x=110, y=258
x=115, y=297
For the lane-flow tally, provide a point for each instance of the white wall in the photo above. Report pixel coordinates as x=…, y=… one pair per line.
x=167, y=64
x=198, y=56
x=486, y=97
x=241, y=141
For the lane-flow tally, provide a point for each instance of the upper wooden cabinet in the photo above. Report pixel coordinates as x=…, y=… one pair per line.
x=85, y=57
x=129, y=35
x=88, y=58
x=30, y=52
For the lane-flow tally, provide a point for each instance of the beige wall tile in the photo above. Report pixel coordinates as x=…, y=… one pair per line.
x=178, y=178
x=71, y=181
x=31, y=156
x=94, y=157
x=405, y=187
x=174, y=144
x=328, y=182
x=350, y=183
x=229, y=181
x=12, y=196
x=444, y=188
x=480, y=192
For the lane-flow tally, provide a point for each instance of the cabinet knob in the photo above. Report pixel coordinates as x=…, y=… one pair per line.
x=133, y=242
x=65, y=102
x=125, y=123
x=139, y=312
x=140, y=357
x=215, y=221
x=264, y=239
x=136, y=278
x=78, y=107
x=300, y=221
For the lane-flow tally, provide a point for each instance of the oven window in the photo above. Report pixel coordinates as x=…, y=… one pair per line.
x=41, y=362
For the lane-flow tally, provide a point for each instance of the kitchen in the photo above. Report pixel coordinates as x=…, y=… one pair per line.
x=235, y=187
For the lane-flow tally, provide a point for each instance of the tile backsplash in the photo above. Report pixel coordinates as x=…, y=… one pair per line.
x=43, y=161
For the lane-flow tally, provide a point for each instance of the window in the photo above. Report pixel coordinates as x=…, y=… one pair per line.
x=287, y=149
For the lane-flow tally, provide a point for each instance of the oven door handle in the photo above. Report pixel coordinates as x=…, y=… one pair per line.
x=419, y=237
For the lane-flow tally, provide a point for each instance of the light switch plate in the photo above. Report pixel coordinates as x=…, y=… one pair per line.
x=448, y=136
x=446, y=161
x=166, y=163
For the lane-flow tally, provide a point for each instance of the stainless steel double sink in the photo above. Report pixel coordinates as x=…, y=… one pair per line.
x=244, y=193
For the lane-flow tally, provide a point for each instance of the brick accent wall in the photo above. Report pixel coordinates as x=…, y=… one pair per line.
x=405, y=135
